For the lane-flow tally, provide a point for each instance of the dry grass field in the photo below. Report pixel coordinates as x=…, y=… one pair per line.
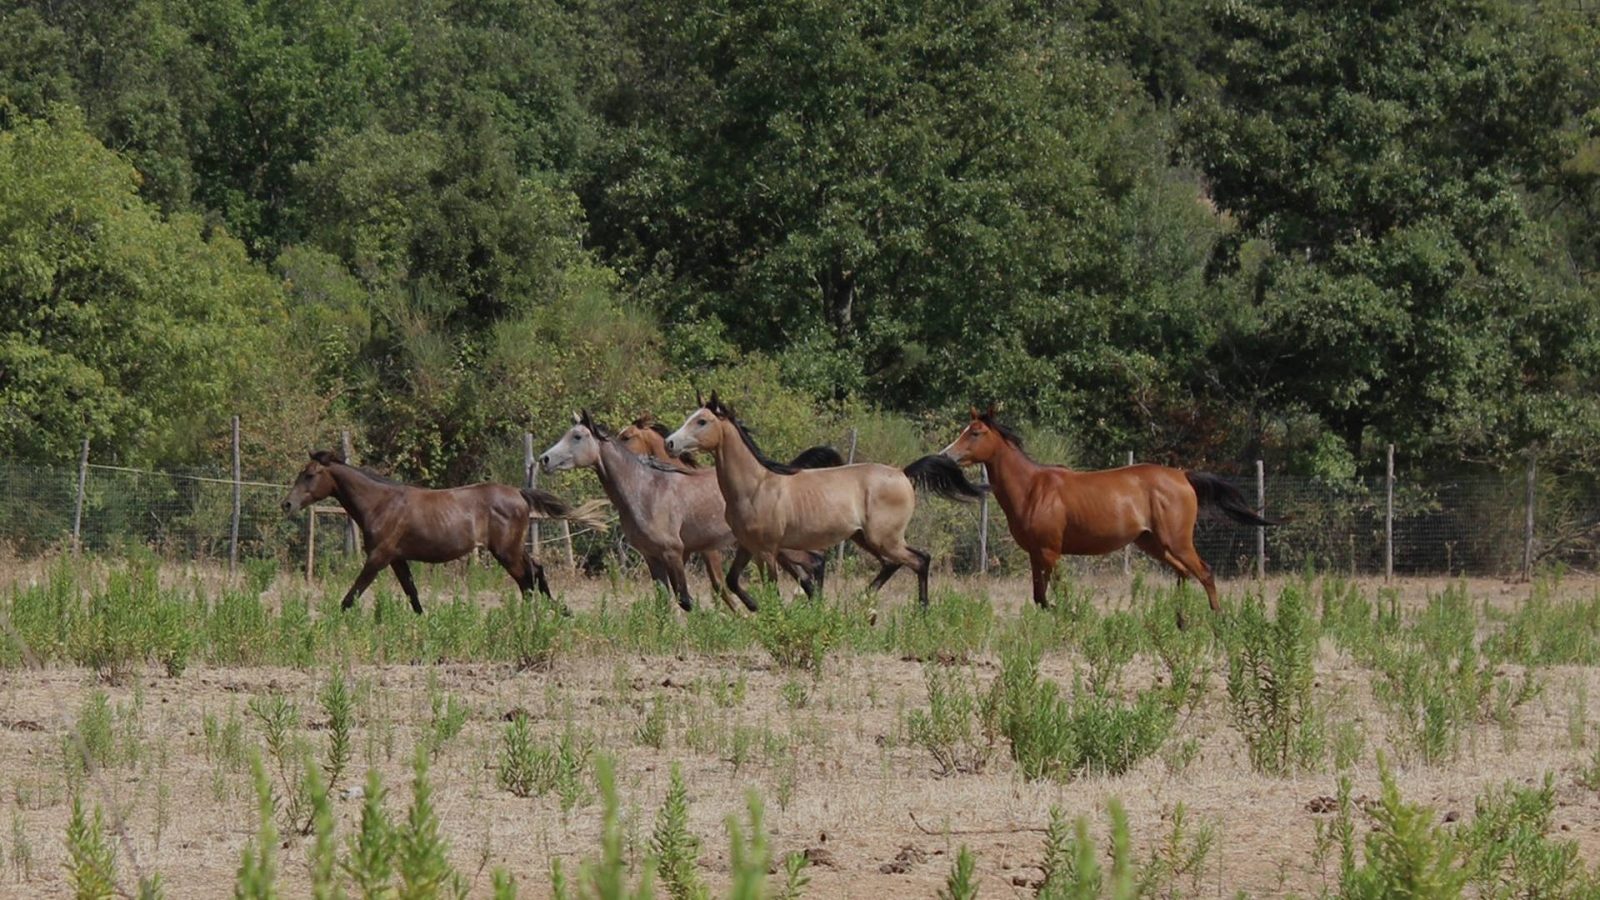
x=146, y=691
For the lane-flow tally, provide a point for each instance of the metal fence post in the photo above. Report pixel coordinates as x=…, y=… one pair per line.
x=349, y=523
x=1527, y=527
x=233, y=533
x=983, y=522
x=77, y=507
x=838, y=553
x=1388, y=518
x=1261, y=509
x=1127, y=550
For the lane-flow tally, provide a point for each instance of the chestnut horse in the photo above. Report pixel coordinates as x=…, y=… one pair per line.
x=1052, y=510
x=647, y=437
x=400, y=523
x=666, y=512
x=773, y=507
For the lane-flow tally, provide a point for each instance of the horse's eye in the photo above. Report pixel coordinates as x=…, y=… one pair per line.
x=700, y=423
x=577, y=437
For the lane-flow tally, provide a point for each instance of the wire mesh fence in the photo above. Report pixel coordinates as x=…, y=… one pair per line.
x=1474, y=523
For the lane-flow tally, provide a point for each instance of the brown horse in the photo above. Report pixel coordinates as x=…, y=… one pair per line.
x=400, y=523
x=773, y=507
x=647, y=437
x=666, y=512
x=1052, y=510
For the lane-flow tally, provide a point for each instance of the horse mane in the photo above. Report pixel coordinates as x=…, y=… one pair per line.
x=1006, y=432
x=595, y=428
x=723, y=411
x=660, y=465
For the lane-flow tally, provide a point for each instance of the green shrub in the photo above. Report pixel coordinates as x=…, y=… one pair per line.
x=799, y=635
x=91, y=862
x=960, y=727
x=1406, y=855
x=1270, y=676
x=961, y=883
x=674, y=846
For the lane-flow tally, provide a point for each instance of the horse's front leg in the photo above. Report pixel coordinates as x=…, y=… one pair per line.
x=402, y=571
x=740, y=560
x=1043, y=565
x=369, y=570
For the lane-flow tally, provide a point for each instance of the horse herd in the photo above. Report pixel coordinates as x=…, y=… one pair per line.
x=781, y=515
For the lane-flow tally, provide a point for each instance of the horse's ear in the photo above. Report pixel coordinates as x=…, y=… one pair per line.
x=577, y=419
x=659, y=428
x=326, y=457
x=585, y=419
x=975, y=414
x=700, y=401
x=993, y=408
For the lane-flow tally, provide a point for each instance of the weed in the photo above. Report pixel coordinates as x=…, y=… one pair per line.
x=21, y=848
x=369, y=859
x=338, y=704
x=961, y=883
x=421, y=851
x=91, y=862
x=961, y=725
x=606, y=878
x=1270, y=677
x=1507, y=851
x=675, y=848
x=652, y=731
x=257, y=875
x=799, y=635
x=1406, y=854
x=795, y=694
x=448, y=715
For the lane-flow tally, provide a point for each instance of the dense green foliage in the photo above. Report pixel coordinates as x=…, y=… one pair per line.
x=1193, y=230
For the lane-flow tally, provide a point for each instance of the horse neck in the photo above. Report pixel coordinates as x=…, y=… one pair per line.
x=1010, y=473
x=358, y=492
x=738, y=470
x=622, y=475
x=658, y=449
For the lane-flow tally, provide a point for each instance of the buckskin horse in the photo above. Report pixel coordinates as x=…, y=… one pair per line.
x=400, y=523
x=1053, y=511
x=668, y=512
x=773, y=507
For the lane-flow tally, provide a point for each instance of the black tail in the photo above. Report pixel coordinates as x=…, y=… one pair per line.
x=546, y=503
x=940, y=474
x=817, y=458
x=1210, y=490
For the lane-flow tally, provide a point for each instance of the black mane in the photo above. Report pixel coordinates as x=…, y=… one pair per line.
x=1006, y=432
x=724, y=411
x=595, y=428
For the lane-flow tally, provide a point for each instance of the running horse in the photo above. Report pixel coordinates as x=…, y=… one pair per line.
x=1053, y=511
x=400, y=523
x=669, y=511
x=773, y=507
x=647, y=437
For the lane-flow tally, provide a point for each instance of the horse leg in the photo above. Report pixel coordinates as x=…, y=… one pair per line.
x=921, y=567
x=658, y=573
x=889, y=566
x=1184, y=550
x=801, y=574
x=1153, y=547
x=403, y=572
x=679, y=580
x=1043, y=564
x=713, y=561
x=369, y=571
x=740, y=560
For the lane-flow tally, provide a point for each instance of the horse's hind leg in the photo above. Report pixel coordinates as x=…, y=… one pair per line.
x=403, y=572
x=801, y=574
x=1043, y=565
x=713, y=561
x=679, y=580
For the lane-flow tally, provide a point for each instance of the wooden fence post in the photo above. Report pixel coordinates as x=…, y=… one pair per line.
x=838, y=553
x=983, y=522
x=528, y=469
x=1388, y=518
x=77, y=507
x=1527, y=526
x=1127, y=550
x=311, y=540
x=349, y=523
x=233, y=533
x=1261, y=509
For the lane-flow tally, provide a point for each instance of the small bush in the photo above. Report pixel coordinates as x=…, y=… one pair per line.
x=1270, y=677
x=527, y=768
x=91, y=862
x=799, y=635
x=674, y=846
x=1406, y=854
x=960, y=727
x=961, y=884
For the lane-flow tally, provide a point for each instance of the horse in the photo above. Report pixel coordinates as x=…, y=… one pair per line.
x=1052, y=510
x=667, y=512
x=772, y=506
x=400, y=523
x=647, y=437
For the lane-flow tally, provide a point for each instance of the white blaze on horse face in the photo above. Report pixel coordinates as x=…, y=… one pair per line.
x=955, y=453
x=687, y=438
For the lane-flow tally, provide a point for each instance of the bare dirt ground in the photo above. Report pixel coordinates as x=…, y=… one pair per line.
x=839, y=777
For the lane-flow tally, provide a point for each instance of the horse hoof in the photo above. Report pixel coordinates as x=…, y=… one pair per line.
x=686, y=606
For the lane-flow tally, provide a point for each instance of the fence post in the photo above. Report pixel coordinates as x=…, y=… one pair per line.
x=311, y=540
x=983, y=522
x=1527, y=527
x=349, y=523
x=1127, y=551
x=838, y=553
x=1388, y=518
x=77, y=507
x=532, y=537
x=1261, y=509
x=233, y=533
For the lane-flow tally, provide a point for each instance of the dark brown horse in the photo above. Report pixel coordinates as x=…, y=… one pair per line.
x=400, y=523
x=1053, y=511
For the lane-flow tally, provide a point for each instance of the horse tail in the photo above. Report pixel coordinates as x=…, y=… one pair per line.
x=1210, y=490
x=820, y=457
x=940, y=474
x=548, y=506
